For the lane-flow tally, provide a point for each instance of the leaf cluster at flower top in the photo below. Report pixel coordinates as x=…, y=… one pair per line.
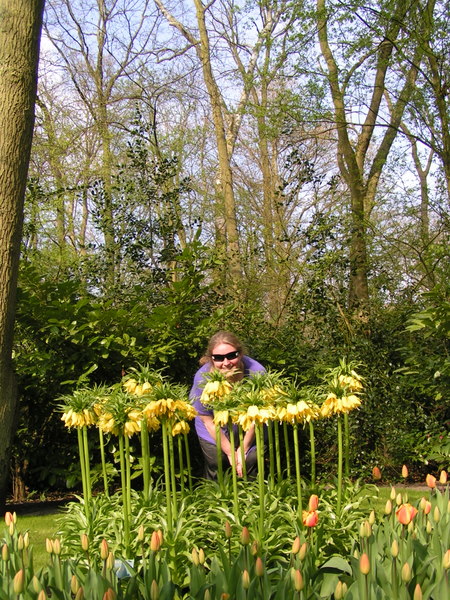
x=145, y=398
x=270, y=396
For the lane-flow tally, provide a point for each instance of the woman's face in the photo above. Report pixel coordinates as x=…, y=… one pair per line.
x=226, y=358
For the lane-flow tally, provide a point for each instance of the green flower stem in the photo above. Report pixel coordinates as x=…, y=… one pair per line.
x=346, y=446
x=340, y=453
x=297, y=469
x=271, y=455
x=312, y=444
x=287, y=449
x=233, y=469
x=276, y=431
x=241, y=447
x=88, y=468
x=181, y=463
x=123, y=479
x=394, y=579
x=128, y=475
x=82, y=463
x=219, y=458
x=103, y=459
x=172, y=470
x=167, y=475
x=145, y=449
x=259, y=435
x=188, y=460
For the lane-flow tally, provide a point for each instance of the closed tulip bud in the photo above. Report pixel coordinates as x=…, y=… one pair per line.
x=228, y=531
x=84, y=542
x=155, y=542
x=364, y=564
x=36, y=584
x=259, y=567
x=443, y=477
x=365, y=529
x=448, y=507
x=141, y=534
x=161, y=537
x=48, y=545
x=430, y=481
x=11, y=528
x=245, y=536
x=194, y=556
x=201, y=556
x=296, y=545
x=388, y=507
x=104, y=549
x=398, y=499
x=19, y=582
x=313, y=502
x=406, y=573
x=446, y=560
x=8, y=519
x=303, y=550
x=80, y=594
x=417, y=592
x=405, y=472
x=425, y=506
x=394, y=549
x=372, y=517
x=376, y=474
x=393, y=493
x=109, y=594
x=207, y=595
x=436, y=514
x=110, y=561
x=254, y=548
x=340, y=590
x=20, y=543
x=43, y=596
x=26, y=540
x=298, y=581
x=429, y=527
x=56, y=546
x=74, y=585
x=5, y=552
x=245, y=579
x=154, y=590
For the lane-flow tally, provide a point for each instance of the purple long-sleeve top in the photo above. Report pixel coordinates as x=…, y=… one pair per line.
x=250, y=366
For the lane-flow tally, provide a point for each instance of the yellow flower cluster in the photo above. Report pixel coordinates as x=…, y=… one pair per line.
x=80, y=419
x=215, y=390
x=334, y=405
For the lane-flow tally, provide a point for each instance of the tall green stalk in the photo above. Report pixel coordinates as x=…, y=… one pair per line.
x=167, y=475
x=188, y=460
x=103, y=459
x=276, y=430
x=124, y=480
x=241, y=447
x=81, y=453
x=233, y=470
x=259, y=435
x=312, y=444
x=287, y=449
x=219, y=458
x=181, y=464
x=173, y=482
x=346, y=446
x=87, y=465
x=340, y=456
x=145, y=449
x=297, y=469
x=271, y=455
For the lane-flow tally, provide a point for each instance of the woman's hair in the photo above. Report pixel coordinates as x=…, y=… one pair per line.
x=222, y=337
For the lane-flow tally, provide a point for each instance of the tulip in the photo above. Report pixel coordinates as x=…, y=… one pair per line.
x=110, y=561
x=340, y=590
x=310, y=519
x=394, y=549
x=8, y=519
x=245, y=579
x=446, y=560
x=259, y=567
x=48, y=546
x=141, y=534
x=228, y=531
x=405, y=472
x=430, y=481
x=425, y=506
x=194, y=555
x=393, y=493
x=376, y=474
x=417, y=592
x=79, y=595
x=388, y=507
x=296, y=546
x=19, y=582
x=443, y=477
x=43, y=596
x=5, y=552
x=74, y=585
x=429, y=527
x=398, y=499
x=155, y=542
x=406, y=573
x=436, y=514
x=372, y=517
x=154, y=590
x=302, y=551
x=406, y=513
x=365, y=529
x=109, y=594
x=298, y=581
x=104, y=550
x=313, y=502
x=84, y=542
x=254, y=548
x=364, y=564
x=245, y=536
x=56, y=546
x=201, y=556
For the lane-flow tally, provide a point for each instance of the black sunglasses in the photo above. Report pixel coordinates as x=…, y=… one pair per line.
x=222, y=357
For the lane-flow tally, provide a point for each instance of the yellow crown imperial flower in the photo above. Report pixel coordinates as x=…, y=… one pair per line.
x=221, y=418
x=131, y=427
x=180, y=428
x=130, y=385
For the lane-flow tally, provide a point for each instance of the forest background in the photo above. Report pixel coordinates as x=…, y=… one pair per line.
x=277, y=168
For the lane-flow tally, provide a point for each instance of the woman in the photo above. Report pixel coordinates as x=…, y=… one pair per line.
x=225, y=352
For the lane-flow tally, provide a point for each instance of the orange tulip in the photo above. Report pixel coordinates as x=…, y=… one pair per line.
x=443, y=477
x=376, y=473
x=406, y=513
x=313, y=502
x=310, y=518
x=364, y=564
x=430, y=481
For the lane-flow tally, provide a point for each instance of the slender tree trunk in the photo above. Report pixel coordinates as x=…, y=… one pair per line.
x=21, y=23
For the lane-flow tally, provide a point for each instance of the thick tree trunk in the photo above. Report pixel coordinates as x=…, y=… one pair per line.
x=21, y=23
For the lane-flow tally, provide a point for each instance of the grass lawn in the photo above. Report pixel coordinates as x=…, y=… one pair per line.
x=44, y=525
